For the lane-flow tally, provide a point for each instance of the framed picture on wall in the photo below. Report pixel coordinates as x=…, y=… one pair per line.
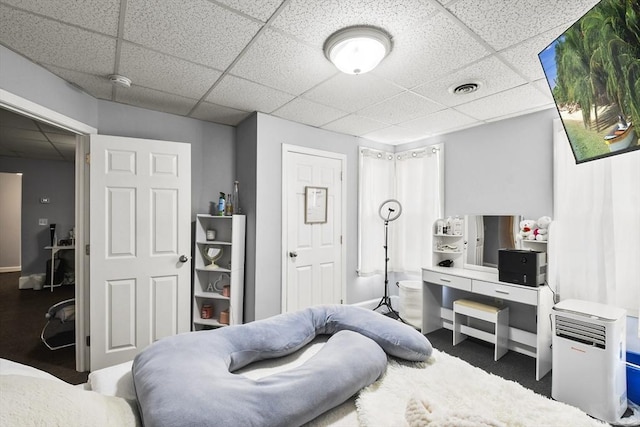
x=315, y=205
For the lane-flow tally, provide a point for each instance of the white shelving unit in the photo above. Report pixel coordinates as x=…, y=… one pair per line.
x=448, y=246
x=230, y=237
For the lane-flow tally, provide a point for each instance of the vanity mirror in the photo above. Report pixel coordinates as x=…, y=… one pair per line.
x=484, y=235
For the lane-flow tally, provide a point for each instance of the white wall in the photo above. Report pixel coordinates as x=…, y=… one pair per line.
x=10, y=221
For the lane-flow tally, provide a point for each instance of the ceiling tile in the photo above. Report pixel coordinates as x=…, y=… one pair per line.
x=492, y=74
x=15, y=133
x=155, y=100
x=524, y=56
x=351, y=93
x=51, y=42
x=62, y=139
x=394, y=135
x=245, y=95
x=503, y=25
x=403, y=107
x=525, y=98
x=96, y=86
x=440, y=122
x=165, y=73
x=315, y=21
x=261, y=10
x=304, y=111
x=354, y=125
x=10, y=119
x=426, y=52
x=543, y=86
x=95, y=15
x=219, y=114
x=282, y=63
x=197, y=30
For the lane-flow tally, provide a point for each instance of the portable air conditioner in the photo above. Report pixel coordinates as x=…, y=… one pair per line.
x=589, y=358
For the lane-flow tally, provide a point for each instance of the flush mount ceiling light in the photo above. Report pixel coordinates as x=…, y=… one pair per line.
x=357, y=50
x=465, y=88
x=118, y=80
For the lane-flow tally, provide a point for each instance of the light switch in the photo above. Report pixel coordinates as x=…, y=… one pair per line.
x=43, y=221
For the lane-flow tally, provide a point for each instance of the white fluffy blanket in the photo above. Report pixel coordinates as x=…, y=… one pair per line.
x=30, y=401
x=446, y=391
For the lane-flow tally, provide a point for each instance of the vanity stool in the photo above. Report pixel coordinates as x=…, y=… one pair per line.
x=464, y=309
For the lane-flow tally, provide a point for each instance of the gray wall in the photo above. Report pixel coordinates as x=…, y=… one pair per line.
x=212, y=145
x=246, y=167
x=28, y=80
x=259, y=165
x=504, y=167
x=42, y=178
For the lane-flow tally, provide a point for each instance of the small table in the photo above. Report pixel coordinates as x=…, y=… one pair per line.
x=54, y=250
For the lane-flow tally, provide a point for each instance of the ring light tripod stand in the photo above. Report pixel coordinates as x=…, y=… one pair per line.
x=389, y=211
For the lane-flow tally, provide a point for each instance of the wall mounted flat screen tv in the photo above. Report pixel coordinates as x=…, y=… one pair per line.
x=593, y=70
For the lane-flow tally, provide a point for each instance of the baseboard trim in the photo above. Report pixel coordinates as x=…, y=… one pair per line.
x=10, y=269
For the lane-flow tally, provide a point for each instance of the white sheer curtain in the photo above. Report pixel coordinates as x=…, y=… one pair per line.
x=595, y=236
x=415, y=179
x=376, y=184
x=419, y=188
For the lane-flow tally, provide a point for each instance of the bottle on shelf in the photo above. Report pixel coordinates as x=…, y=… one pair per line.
x=221, y=204
x=229, y=206
x=236, y=198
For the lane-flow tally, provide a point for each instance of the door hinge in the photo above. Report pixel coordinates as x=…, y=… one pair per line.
x=87, y=340
x=341, y=239
x=87, y=158
x=340, y=175
x=86, y=250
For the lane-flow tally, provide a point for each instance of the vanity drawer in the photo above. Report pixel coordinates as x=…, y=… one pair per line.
x=447, y=280
x=506, y=292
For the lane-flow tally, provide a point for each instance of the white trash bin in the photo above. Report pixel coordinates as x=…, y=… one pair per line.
x=411, y=302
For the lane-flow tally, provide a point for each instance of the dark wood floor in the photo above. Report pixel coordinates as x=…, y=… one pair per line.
x=22, y=317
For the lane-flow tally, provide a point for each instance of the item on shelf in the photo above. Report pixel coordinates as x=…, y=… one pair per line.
x=52, y=231
x=236, y=198
x=224, y=317
x=221, y=204
x=218, y=287
x=457, y=226
x=213, y=208
x=211, y=234
x=448, y=227
x=440, y=226
x=226, y=291
x=206, y=312
x=211, y=254
x=229, y=207
x=542, y=232
x=446, y=263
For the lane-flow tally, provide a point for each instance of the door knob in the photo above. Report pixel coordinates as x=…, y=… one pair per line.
x=183, y=258
x=293, y=254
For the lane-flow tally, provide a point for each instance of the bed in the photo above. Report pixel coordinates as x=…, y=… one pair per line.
x=437, y=392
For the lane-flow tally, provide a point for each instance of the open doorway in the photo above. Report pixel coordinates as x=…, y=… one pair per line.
x=45, y=156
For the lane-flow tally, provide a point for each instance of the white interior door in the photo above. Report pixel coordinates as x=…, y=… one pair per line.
x=314, y=249
x=140, y=213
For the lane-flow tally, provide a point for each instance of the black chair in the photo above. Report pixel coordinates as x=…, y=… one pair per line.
x=60, y=330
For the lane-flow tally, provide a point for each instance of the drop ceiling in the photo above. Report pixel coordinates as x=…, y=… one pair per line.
x=221, y=60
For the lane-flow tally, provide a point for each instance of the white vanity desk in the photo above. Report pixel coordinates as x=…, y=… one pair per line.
x=529, y=307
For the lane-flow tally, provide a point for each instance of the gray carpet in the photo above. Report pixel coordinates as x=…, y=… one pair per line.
x=512, y=366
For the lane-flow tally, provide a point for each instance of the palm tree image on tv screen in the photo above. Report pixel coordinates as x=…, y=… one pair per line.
x=593, y=70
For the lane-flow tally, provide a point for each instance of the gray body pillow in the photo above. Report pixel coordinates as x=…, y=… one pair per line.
x=188, y=380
